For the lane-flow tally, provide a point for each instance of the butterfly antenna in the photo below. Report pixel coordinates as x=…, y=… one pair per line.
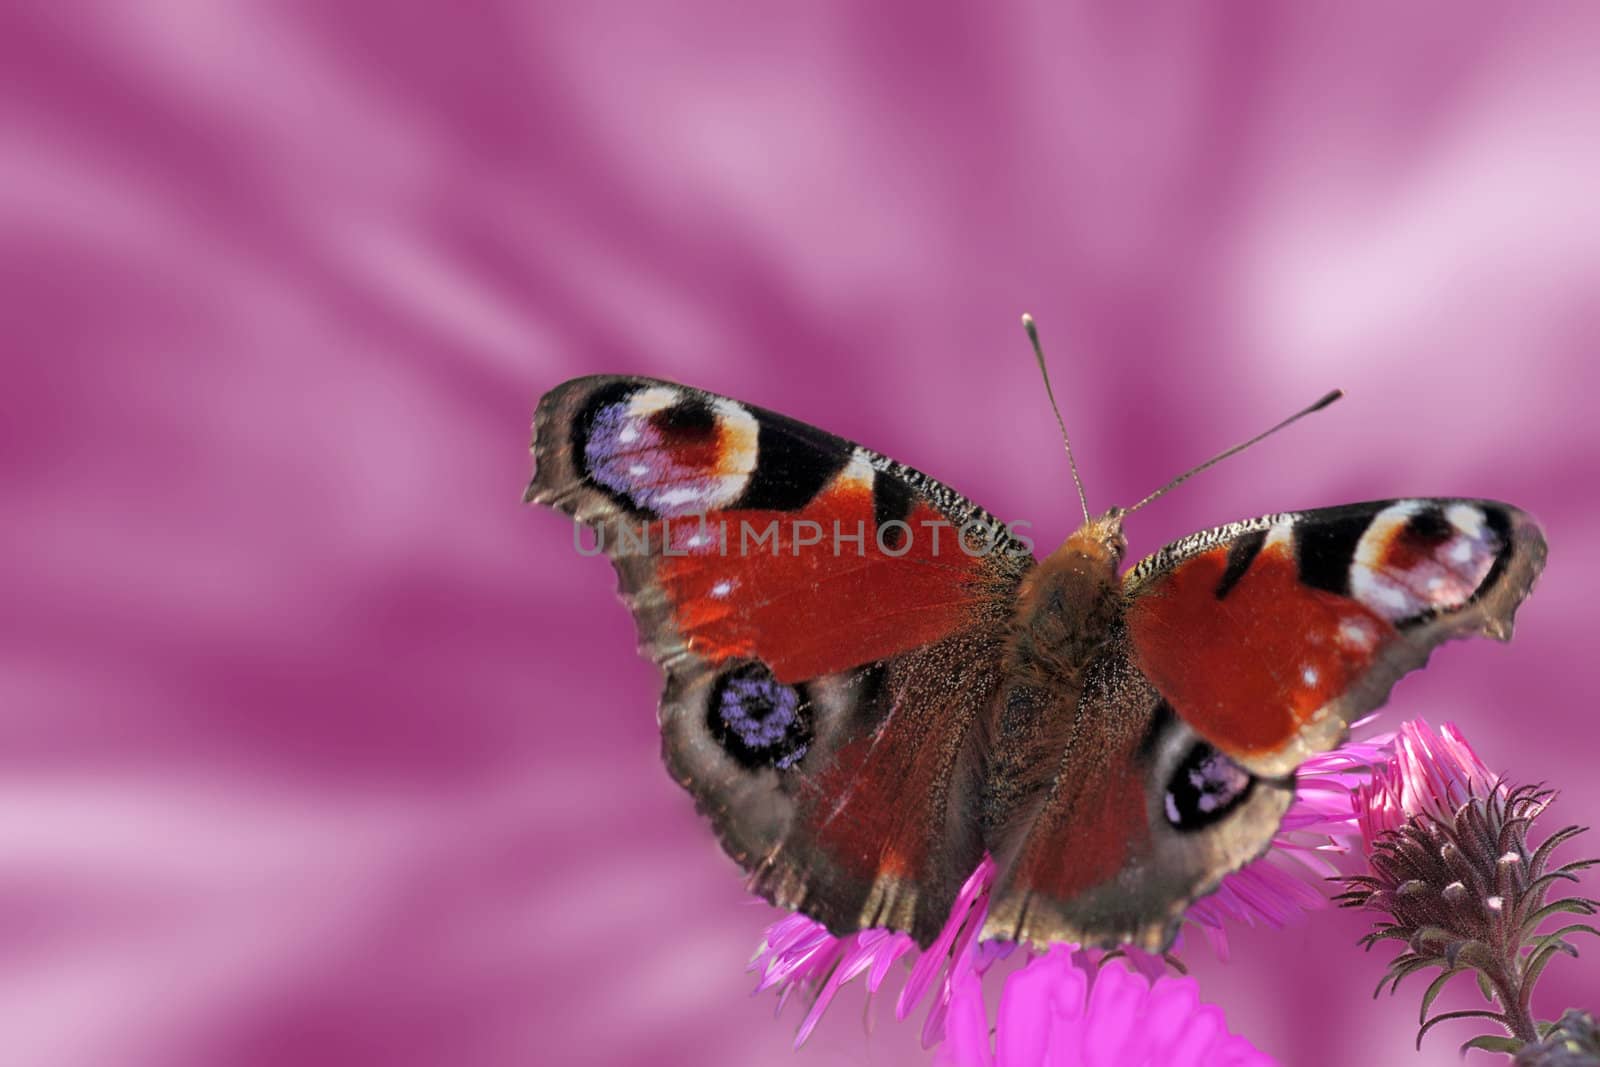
x=1236, y=449
x=1038, y=354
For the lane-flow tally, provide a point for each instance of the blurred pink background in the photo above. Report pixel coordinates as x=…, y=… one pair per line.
x=319, y=748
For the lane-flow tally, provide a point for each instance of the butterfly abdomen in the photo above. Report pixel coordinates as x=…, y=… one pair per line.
x=1067, y=610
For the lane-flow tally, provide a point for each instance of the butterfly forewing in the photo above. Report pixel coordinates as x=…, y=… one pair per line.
x=1270, y=636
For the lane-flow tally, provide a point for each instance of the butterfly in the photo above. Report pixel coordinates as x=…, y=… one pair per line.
x=870, y=682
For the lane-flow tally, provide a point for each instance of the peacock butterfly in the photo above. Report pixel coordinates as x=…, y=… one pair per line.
x=863, y=709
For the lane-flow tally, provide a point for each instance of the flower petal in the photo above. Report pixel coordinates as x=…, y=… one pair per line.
x=1041, y=1011
x=966, y=1028
x=1114, y=1032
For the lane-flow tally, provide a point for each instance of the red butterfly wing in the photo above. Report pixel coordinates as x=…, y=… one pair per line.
x=1120, y=840
x=1270, y=636
x=826, y=657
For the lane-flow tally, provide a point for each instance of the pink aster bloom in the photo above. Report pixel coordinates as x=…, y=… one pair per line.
x=798, y=952
x=1066, y=1006
x=1425, y=773
x=1070, y=1008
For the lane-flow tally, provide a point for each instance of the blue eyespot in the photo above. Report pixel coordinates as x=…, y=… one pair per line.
x=1206, y=786
x=757, y=720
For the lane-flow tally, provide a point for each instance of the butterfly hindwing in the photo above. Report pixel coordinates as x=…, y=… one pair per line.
x=845, y=796
x=825, y=657
x=1139, y=818
x=1270, y=636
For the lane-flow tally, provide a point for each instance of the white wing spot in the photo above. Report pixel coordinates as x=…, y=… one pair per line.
x=858, y=473
x=1466, y=518
x=740, y=433
x=1382, y=591
x=681, y=495
x=1396, y=602
x=649, y=401
x=1357, y=634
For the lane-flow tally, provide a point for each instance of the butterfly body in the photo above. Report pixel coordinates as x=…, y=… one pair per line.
x=1067, y=605
x=863, y=710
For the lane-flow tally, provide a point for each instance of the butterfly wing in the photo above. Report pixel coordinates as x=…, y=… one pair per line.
x=1269, y=637
x=827, y=641
x=1240, y=652
x=1136, y=816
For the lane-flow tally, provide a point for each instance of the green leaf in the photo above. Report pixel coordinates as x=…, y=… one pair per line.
x=1545, y=881
x=1386, y=932
x=1398, y=969
x=1512, y=830
x=1434, y=989
x=1557, y=935
x=1493, y=1043
x=1473, y=1013
x=1571, y=905
x=1536, y=965
x=1551, y=843
x=1399, y=972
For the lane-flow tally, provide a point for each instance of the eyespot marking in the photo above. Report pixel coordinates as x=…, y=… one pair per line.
x=757, y=720
x=667, y=451
x=1204, y=788
x=1418, y=558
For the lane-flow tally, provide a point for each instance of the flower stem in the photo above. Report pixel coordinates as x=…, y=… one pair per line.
x=1507, y=985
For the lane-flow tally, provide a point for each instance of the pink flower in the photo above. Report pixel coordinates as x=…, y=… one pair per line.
x=1423, y=773
x=1066, y=1008
x=799, y=952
